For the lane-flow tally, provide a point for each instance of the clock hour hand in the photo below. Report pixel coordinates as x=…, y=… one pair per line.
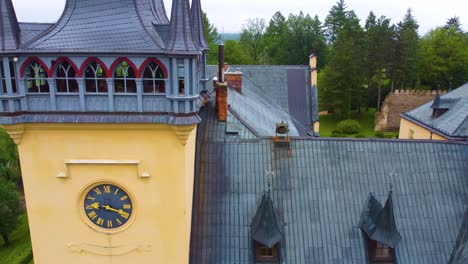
x=120, y=211
x=92, y=206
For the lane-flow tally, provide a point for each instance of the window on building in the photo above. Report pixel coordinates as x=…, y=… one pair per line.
x=154, y=79
x=264, y=254
x=378, y=252
x=124, y=78
x=411, y=134
x=36, y=78
x=3, y=87
x=4, y=78
x=95, y=78
x=181, y=76
x=65, y=78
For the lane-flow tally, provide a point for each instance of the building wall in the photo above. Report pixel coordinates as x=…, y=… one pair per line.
x=150, y=161
x=410, y=130
x=397, y=103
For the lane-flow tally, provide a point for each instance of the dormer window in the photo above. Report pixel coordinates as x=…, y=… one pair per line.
x=379, y=252
x=154, y=79
x=125, y=78
x=36, y=78
x=181, y=76
x=379, y=230
x=65, y=78
x=95, y=78
x=265, y=254
x=267, y=231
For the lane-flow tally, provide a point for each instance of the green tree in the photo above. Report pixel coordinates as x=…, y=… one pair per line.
x=335, y=20
x=252, y=39
x=10, y=209
x=406, y=52
x=212, y=38
x=234, y=53
x=276, y=39
x=9, y=161
x=379, y=53
x=342, y=82
x=454, y=24
x=444, y=57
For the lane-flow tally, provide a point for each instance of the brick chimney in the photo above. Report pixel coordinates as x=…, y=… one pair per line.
x=221, y=88
x=234, y=79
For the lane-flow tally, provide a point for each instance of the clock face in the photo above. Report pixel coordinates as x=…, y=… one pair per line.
x=107, y=206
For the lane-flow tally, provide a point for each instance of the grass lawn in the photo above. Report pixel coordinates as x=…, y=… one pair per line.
x=366, y=120
x=19, y=251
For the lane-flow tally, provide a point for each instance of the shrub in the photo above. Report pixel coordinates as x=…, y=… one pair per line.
x=360, y=136
x=336, y=133
x=349, y=127
x=379, y=135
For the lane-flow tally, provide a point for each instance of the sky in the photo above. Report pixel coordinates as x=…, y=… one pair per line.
x=229, y=16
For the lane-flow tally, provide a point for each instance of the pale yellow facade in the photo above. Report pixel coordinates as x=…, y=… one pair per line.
x=410, y=130
x=155, y=165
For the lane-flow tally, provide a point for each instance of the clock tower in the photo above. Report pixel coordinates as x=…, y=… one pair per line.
x=103, y=108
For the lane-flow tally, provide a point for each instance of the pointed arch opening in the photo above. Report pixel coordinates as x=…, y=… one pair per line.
x=35, y=75
x=95, y=75
x=65, y=76
x=154, y=76
x=125, y=75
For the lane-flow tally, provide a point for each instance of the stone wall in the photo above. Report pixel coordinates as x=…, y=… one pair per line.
x=400, y=102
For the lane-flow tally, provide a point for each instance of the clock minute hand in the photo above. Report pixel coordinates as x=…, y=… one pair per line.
x=121, y=212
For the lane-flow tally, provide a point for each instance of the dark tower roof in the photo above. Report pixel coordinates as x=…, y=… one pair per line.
x=180, y=39
x=379, y=223
x=9, y=27
x=104, y=26
x=153, y=11
x=266, y=227
x=198, y=29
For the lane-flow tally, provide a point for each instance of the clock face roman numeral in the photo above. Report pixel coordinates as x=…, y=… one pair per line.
x=107, y=206
x=92, y=215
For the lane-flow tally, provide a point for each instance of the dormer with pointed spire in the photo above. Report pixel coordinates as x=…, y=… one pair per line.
x=380, y=231
x=180, y=40
x=9, y=27
x=198, y=29
x=267, y=230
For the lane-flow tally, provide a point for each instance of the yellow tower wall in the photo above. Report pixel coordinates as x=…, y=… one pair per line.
x=155, y=164
x=410, y=130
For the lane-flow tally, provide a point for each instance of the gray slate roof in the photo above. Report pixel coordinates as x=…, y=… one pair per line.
x=31, y=30
x=460, y=251
x=272, y=94
x=104, y=25
x=197, y=20
x=181, y=39
x=320, y=190
x=108, y=26
x=454, y=123
x=9, y=29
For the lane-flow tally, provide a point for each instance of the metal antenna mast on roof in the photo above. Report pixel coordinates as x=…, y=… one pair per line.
x=269, y=174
